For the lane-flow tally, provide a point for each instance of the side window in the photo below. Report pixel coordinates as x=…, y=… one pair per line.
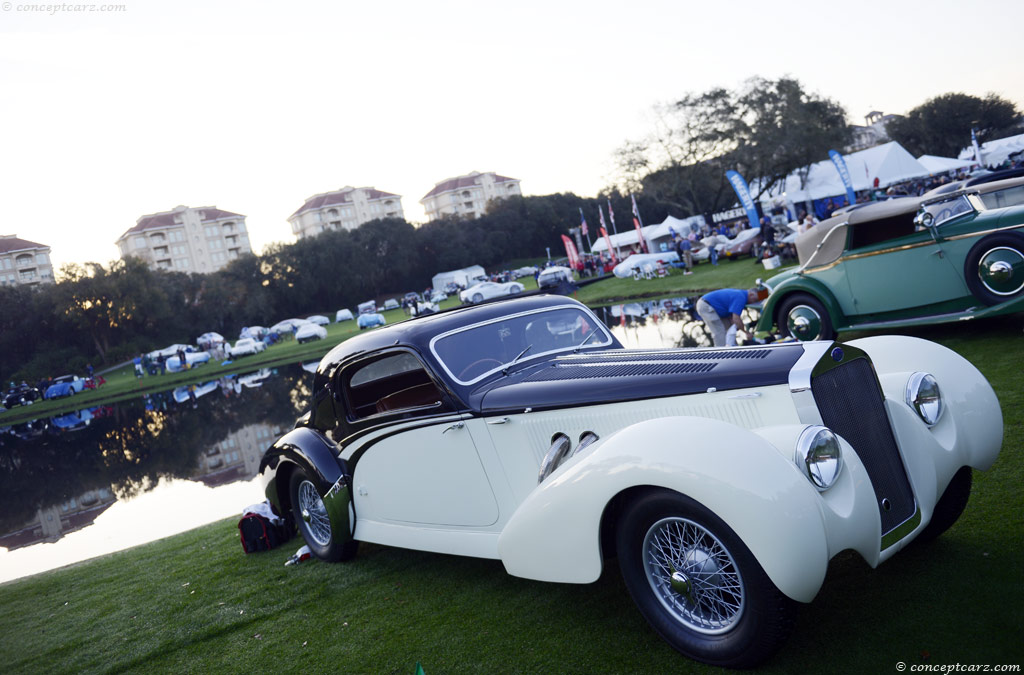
x=390, y=383
x=1000, y=198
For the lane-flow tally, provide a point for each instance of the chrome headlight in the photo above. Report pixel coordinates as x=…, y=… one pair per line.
x=924, y=397
x=819, y=456
x=557, y=453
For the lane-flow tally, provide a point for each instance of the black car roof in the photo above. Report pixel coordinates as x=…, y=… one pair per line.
x=417, y=332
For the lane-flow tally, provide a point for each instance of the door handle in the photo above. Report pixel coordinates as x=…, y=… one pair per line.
x=457, y=425
x=500, y=420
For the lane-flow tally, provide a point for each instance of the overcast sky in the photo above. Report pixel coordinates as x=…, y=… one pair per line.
x=254, y=106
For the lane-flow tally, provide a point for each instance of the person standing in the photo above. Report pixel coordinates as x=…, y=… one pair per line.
x=726, y=305
x=684, y=247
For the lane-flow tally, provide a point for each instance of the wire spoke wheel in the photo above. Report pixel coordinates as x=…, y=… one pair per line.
x=317, y=523
x=693, y=575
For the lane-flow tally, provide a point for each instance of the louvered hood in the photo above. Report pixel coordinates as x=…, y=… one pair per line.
x=629, y=375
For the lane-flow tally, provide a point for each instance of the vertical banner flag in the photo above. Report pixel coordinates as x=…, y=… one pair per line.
x=611, y=216
x=739, y=186
x=977, y=148
x=608, y=243
x=583, y=223
x=637, y=223
x=844, y=174
x=570, y=252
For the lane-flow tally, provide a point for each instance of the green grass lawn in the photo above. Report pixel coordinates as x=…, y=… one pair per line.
x=195, y=603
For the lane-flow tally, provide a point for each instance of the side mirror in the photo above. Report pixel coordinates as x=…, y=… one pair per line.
x=924, y=219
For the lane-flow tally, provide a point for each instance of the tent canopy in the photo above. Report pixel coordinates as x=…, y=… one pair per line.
x=890, y=163
x=936, y=164
x=994, y=153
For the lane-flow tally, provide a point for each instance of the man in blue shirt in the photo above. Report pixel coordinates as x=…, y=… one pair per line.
x=725, y=306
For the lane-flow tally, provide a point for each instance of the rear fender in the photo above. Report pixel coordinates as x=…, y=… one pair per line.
x=740, y=475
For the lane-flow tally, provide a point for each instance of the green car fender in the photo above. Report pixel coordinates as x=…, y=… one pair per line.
x=798, y=283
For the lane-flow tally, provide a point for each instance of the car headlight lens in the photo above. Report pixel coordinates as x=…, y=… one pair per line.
x=924, y=397
x=819, y=456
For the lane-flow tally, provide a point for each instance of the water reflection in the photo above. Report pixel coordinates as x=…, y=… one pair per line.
x=61, y=474
x=659, y=324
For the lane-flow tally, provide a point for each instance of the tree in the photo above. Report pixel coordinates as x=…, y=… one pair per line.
x=766, y=130
x=942, y=125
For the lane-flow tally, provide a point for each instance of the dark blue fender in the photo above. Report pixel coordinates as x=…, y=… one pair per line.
x=317, y=456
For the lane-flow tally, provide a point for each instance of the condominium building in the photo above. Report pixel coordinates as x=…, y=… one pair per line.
x=201, y=239
x=238, y=456
x=468, y=195
x=344, y=209
x=24, y=262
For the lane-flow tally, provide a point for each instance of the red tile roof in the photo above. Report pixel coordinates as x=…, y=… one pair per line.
x=461, y=182
x=166, y=219
x=342, y=196
x=12, y=244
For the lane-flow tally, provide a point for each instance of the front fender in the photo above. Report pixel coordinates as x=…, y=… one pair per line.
x=799, y=283
x=305, y=448
x=554, y=535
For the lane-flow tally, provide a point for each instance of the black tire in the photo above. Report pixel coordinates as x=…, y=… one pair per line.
x=1003, y=247
x=804, y=304
x=316, y=528
x=950, y=505
x=733, y=616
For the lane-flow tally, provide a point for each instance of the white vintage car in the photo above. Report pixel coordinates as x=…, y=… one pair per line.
x=723, y=479
x=246, y=346
x=487, y=290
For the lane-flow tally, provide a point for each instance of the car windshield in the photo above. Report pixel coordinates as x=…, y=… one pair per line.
x=943, y=211
x=470, y=354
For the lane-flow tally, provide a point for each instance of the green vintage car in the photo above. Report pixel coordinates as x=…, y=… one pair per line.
x=905, y=262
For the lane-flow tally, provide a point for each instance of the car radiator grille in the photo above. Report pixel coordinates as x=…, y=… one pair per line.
x=851, y=405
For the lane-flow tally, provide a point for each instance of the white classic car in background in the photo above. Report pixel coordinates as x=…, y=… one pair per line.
x=723, y=479
x=486, y=290
x=310, y=332
x=245, y=347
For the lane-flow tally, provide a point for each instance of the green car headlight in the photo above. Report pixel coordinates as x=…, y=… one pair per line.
x=819, y=456
x=924, y=397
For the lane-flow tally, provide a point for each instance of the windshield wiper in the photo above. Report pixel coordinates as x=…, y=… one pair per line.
x=585, y=341
x=504, y=371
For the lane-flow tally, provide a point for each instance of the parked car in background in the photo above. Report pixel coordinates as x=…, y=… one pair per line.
x=318, y=319
x=343, y=315
x=527, y=271
x=208, y=341
x=21, y=394
x=287, y=325
x=451, y=288
x=246, y=347
x=368, y=306
x=487, y=290
x=310, y=332
x=254, y=332
x=172, y=350
x=391, y=303
x=905, y=262
x=370, y=320
x=554, y=277
x=192, y=360
x=65, y=385
x=723, y=480
x=742, y=244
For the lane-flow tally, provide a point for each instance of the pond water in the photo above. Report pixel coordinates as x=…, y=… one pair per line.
x=103, y=479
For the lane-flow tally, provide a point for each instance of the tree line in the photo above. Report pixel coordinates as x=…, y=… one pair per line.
x=105, y=314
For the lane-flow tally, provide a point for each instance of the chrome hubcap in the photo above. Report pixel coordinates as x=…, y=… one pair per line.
x=314, y=514
x=1001, y=270
x=693, y=576
x=804, y=323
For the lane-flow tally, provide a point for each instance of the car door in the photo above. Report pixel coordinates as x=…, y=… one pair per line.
x=414, y=462
x=891, y=266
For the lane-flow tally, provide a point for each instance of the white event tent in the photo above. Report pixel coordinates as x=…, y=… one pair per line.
x=994, y=153
x=653, y=234
x=890, y=163
x=936, y=164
